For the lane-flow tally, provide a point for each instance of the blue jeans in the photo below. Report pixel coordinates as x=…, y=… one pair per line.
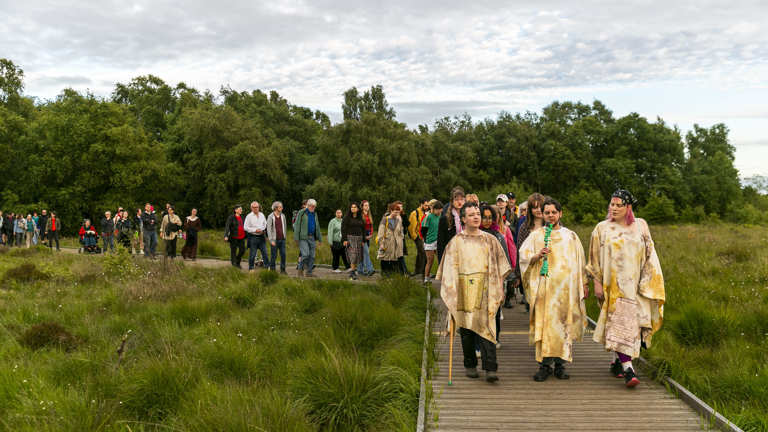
x=257, y=243
x=109, y=242
x=150, y=243
x=367, y=266
x=307, y=248
x=279, y=245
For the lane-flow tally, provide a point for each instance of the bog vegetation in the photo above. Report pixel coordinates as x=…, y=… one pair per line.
x=102, y=345
x=153, y=141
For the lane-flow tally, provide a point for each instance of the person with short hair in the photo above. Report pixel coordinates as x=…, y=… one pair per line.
x=306, y=232
x=149, y=225
x=256, y=233
x=42, y=223
x=555, y=279
x=276, y=234
x=192, y=228
x=450, y=221
x=89, y=237
x=629, y=285
x=108, y=232
x=472, y=274
x=234, y=233
x=414, y=232
x=52, y=229
x=429, y=228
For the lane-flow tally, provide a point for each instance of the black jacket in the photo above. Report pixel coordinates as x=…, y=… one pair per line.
x=444, y=232
x=352, y=226
x=230, y=229
x=149, y=221
x=107, y=227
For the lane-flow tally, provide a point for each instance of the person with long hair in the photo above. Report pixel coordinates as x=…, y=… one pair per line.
x=628, y=282
x=352, y=231
x=450, y=221
x=367, y=265
x=192, y=226
x=534, y=219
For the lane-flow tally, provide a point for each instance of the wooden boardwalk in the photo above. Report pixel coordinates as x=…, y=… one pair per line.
x=591, y=399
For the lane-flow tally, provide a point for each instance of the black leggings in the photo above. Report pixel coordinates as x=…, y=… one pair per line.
x=339, y=253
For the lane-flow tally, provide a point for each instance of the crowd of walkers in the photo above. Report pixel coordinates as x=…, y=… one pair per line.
x=19, y=231
x=486, y=254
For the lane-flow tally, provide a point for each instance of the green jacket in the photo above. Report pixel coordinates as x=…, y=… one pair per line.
x=334, y=231
x=301, y=226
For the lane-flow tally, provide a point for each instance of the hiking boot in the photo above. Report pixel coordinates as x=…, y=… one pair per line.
x=471, y=372
x=508, y=303
x=352, y=275
x=560, y=372
x=490, y=376
x=616, y=369
x=543, y=373
x=630, y=379
x=282, y=271
x=309, y=275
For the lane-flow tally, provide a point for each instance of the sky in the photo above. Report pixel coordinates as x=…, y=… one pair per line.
x=688, y=62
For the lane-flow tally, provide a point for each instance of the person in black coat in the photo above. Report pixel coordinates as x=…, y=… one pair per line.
x=448, y=227
x=149, y=227
x=234, y=233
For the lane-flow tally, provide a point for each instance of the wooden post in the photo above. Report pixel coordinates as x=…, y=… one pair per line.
x=451, y=331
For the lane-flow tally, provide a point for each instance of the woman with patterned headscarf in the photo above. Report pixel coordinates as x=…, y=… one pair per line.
x=628, y=283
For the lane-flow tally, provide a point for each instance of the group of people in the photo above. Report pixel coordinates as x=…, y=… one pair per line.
x=139, y=233
x=480, y=254
x=17, y=230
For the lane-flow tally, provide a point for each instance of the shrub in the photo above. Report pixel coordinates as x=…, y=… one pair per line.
x=48, y=334
x=120, y=264
x=25, y=272
x=659, y=209
x=588, y=206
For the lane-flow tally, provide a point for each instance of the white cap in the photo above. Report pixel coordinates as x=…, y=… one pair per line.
x=502, y=197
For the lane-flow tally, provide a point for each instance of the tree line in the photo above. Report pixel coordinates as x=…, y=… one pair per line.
x=150, y=141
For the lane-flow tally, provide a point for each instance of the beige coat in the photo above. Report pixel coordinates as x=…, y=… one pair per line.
x=624, y=259
x=558, y=315
x=174, y=219
x=390, y=240
x=472, y=276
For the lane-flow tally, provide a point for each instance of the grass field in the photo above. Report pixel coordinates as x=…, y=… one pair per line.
x=205, y=349
x=714, y=339
x=715, y=336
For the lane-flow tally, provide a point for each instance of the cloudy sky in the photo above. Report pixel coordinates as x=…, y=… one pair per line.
x=687, y=62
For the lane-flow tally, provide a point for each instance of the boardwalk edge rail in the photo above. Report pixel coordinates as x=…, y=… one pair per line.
x=698, y=405
x=423, y=386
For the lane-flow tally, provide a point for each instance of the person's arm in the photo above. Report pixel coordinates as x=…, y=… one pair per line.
x=227, y=227
x=442, y=236
x=318, y=232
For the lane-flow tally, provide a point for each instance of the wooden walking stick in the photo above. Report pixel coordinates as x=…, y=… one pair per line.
x=451, y=331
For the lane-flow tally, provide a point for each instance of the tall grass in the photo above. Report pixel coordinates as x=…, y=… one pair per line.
x=207, y=349
x=715, y=336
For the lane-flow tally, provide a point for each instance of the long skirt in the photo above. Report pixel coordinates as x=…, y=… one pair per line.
x=190, y=246
x=355, y=249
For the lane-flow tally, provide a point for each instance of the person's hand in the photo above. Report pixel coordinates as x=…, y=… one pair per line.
x=542, y=253
x=346, y=243
x=599, y=291
x=226, y=238
x=272, y=243
x=516, y=283
x=586, y=290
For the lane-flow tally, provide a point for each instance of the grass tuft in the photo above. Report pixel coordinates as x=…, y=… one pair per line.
x=155, y=391
x=48, y=335
x=267, y=277
x=25, y=272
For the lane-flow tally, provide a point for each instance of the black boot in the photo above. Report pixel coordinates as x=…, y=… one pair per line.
x=560, y=372
x=630, y=379
x=508, y=300
x=543, y=373
x=616, y=369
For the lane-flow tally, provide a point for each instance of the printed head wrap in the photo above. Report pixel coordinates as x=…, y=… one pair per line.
x=625, y=196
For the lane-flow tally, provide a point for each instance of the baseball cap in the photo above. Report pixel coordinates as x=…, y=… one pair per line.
x=502, y=197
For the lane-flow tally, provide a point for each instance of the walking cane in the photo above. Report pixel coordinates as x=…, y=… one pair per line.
x=451, y=330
